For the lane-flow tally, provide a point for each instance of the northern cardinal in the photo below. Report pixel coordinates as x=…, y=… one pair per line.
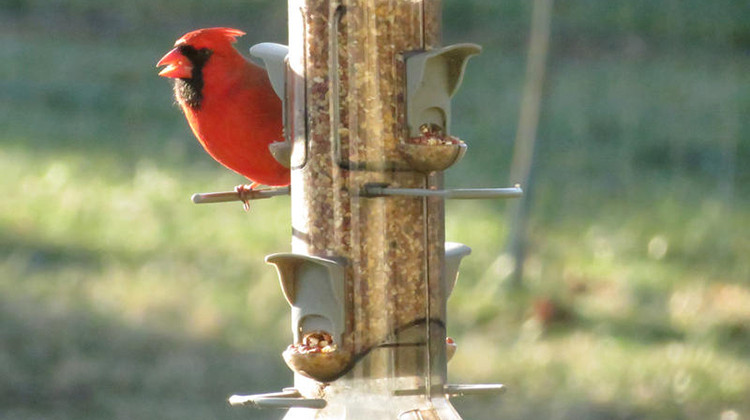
x=229, y=104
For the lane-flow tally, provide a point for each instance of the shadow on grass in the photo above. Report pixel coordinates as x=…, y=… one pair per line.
x=42, y=255
x=732, y=337
x=47, y=255
x=639, y=331
x=60, y=362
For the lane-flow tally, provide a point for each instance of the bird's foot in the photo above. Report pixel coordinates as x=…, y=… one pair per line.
x=243, y=191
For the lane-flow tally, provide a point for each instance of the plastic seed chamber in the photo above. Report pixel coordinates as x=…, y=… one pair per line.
x=366, y=86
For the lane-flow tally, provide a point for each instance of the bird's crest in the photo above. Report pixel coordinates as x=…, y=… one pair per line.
x=210, y=36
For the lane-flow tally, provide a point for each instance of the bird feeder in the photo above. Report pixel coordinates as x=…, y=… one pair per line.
x=367, y=90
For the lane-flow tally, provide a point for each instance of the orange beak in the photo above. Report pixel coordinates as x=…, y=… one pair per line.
x=178, y=66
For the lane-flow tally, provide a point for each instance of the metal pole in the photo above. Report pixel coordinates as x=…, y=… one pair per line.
x=523, y=154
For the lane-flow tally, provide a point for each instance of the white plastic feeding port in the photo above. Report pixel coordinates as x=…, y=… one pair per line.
x=314, y=287
x=274, y=59
x=454, y=253
x=432, y=78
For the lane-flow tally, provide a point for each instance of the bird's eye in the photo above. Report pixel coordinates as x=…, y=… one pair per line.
x=205, y=52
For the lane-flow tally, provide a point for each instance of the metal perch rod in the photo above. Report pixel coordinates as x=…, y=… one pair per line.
x=371, y=190
x=378, y=190
x=290, y=397
x=225, y=196
x=286, y=399
x=460, y=390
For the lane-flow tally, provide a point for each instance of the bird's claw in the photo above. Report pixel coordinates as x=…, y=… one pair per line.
x=242, y=192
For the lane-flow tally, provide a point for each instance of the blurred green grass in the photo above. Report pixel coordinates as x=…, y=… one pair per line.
x=120, y=299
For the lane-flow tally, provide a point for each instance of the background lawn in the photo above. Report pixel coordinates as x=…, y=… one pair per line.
x=119, y=299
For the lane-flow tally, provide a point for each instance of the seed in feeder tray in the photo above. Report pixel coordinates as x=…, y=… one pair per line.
x=441, y=151
x=431, y=129
x=317, y=357
x=310, y=341
x=432, y=135
x=315, y=342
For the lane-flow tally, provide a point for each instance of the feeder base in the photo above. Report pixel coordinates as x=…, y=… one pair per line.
x=350, y=400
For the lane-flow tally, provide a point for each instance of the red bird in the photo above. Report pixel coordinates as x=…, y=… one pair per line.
x=229, y=104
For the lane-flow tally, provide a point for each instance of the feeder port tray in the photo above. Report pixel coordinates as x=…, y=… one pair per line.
x=323, y=366
x=432, y=157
